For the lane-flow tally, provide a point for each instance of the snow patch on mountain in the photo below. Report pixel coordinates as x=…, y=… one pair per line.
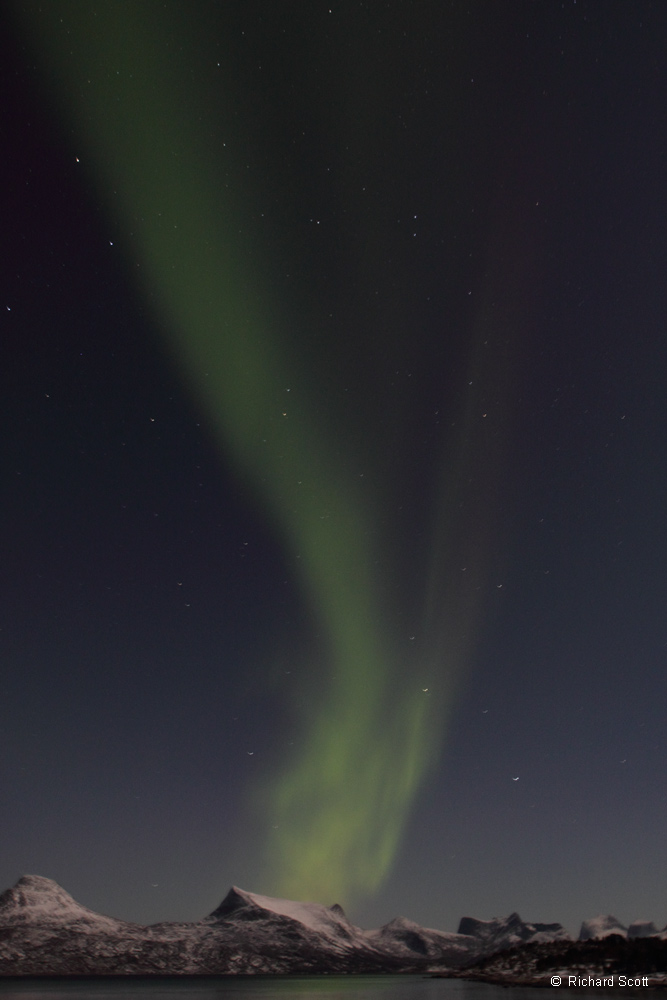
x=601, y=927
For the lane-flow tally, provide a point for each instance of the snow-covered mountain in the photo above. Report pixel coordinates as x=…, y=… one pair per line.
x=508, y=932
x=601, y=927
x=406, y=940
x=643, y=928
x=604, y=926
x=43, y=931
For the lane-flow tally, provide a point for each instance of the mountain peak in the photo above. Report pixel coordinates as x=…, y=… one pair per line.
x=39, y=884
x=642, y=928
x=36, y=900
x=484, y=929
x=507, y=932
x=315, y=916
x=35, y=893
x=235, y=900
x=600, y=927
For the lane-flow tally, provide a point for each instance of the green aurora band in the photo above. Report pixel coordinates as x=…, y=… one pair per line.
x=335, y=813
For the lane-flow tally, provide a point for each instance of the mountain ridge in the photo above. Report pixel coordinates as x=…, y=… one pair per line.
x=44, y=931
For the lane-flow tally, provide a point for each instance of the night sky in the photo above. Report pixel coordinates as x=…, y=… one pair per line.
x=334, y=537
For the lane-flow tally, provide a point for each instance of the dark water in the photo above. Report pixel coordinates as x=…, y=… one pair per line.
x=262, y=988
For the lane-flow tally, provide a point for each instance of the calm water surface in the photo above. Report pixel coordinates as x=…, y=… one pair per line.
x=264, y=988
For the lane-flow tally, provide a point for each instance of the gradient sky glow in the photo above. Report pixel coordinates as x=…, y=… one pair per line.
x=334, y=487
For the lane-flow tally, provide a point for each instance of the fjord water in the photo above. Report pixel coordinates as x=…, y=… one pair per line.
x=260, y=988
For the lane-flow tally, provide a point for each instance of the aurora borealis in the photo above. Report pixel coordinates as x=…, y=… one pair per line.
x=339, y=265
x=339, y=809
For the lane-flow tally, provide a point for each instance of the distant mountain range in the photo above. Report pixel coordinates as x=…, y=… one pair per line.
x=606, y=954
x=44, y=931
